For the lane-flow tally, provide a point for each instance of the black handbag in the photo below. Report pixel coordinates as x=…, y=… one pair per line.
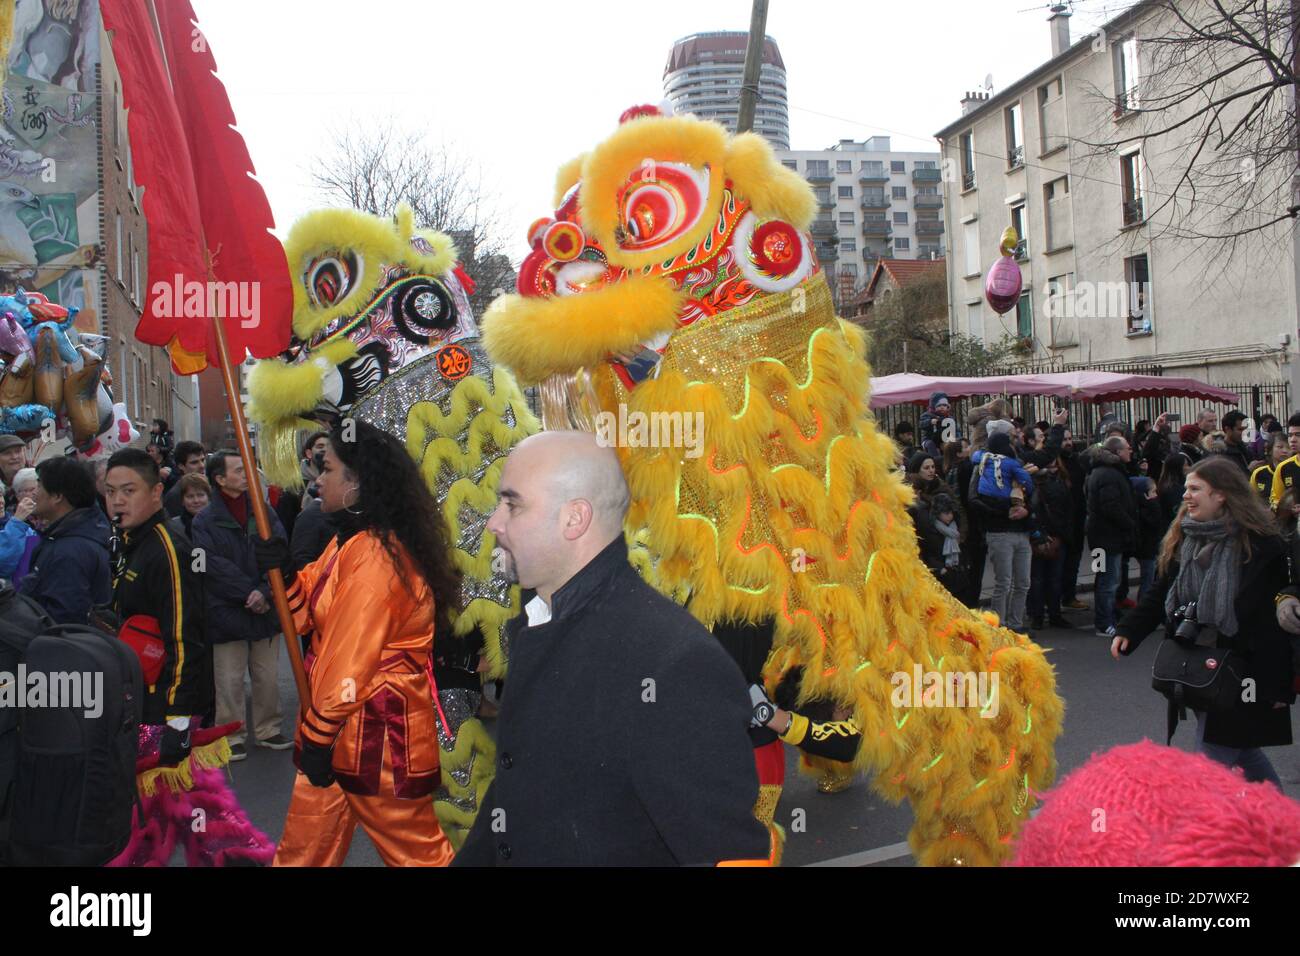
x=1196, y=676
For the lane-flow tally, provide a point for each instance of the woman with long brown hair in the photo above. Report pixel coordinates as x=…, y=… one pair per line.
x=1223, y=555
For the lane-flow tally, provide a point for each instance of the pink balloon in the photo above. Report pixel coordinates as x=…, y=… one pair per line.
x=1002, y=285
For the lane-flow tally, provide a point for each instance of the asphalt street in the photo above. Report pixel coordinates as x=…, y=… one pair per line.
x=1107, y=702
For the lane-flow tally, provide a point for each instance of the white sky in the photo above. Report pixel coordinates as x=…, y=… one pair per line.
x=520, y=87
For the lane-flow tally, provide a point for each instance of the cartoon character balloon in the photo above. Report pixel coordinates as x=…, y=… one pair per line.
x=1004, y=281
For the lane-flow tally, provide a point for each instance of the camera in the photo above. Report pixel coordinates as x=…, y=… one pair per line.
x=1188, y=629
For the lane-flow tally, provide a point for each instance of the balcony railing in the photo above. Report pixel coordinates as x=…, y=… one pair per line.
x=1132, y=211
x=923, y=201
x=821, y=177
x=929, y=227
x=826, y=204
x=925, y=175
x=968, y=180
x=828, y=251
x=876, y=227
x=824, y=227
x=880, y=201
x=873, y=176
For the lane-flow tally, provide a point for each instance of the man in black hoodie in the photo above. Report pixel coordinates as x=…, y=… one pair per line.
x=1112, y=524
x=622, y=735
x=70, y=572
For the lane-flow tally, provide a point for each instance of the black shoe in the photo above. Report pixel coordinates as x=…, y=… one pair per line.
x=238, y=752
x=1059, y=621
x=1036, y=623
x=278, y=742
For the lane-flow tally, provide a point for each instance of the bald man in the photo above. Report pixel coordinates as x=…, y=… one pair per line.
x=622, y=735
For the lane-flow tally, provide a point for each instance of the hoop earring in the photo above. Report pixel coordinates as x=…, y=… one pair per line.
x=348, y=508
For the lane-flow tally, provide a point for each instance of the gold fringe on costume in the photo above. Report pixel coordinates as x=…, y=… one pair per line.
x=210, y=756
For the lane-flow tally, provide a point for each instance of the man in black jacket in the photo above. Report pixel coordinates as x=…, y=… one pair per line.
x=69, y=573
x=1112, y=525
x=242, y=625
x=153, y=575
x=622, y=734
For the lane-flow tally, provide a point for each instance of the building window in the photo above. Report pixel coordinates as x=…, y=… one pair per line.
x=1025, y=316
x=823, y=194
x=1126, y=75
x=844, y=192
x=844, y=165
x=124, y=368
x=846, y=219
x=874, y=196
x=1060, y=303
x=975, y=320
x=1015, y=137
x=818, y=167
x=899, y=192
x=1018, y=224
x=848, y=245
x=791, y=164
x=117, y=249
x=902, y=244
x=925, y=164
x=897, y=166
x=967, y=161
x=900, y=219
x=971, y=241
x=1130, y=171
x=849, y=269
x=873, y=217
x=1051, y=115
x=1138, y=276
x=929, y=252
x=1056, y=213
x=135, y=276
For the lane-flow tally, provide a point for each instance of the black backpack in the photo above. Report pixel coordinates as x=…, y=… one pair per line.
x=71, y=791
x=21, y=619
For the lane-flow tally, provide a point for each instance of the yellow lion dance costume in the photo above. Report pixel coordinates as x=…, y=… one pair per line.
x=384, y=332
x=676, y=283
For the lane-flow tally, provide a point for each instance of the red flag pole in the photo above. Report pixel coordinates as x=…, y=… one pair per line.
x=260, y=514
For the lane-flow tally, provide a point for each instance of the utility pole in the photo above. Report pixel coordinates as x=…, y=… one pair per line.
x=753, y=64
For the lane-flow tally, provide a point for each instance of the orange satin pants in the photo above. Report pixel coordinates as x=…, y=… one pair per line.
x=318, y=830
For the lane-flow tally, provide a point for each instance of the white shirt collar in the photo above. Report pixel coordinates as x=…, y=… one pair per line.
x=538, y=611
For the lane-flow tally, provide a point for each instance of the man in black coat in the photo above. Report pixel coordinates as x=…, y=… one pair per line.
x=622, y=735
x=242, y=624
x=69, y=573
x=1112, y=524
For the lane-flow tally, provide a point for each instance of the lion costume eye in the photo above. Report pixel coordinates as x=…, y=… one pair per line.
x=330, y=278
x=659, y=203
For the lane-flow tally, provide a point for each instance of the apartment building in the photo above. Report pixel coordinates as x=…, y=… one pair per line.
x=1105, y=281
x=874, y=203
x=704, y=74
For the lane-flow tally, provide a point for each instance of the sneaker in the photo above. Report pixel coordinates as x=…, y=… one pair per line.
x=278, y=742
x=1075, y=605
x=238, y=752
x=1108, y=633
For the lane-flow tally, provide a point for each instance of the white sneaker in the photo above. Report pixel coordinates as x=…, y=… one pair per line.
x=1109, y=633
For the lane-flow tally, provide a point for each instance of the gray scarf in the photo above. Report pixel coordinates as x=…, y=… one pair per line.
x=1209, y=571
x=951, y=542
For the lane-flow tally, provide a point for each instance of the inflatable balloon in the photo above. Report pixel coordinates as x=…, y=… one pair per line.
x=1004, y=281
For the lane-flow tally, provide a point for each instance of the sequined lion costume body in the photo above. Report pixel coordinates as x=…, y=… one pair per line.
x=677, y=283
x=384, y=332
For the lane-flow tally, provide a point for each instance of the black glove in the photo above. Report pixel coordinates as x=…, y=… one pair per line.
x=273, y=553
x=174, y=746
x=764, y=709
x=317, y=763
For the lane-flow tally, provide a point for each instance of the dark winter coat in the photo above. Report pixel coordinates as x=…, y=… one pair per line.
x=232, y=574
x=1151, y=527
x=1239, y=454
x=1260, y=642
x=311, y=533
x=69, y=572
x=622, y=736
x=1052, y=506
x=1112, y=507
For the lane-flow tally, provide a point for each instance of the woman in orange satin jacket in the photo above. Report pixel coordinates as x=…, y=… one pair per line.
x=366, y=747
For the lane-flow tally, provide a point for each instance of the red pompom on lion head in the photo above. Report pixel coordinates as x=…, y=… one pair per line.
x=636, y=112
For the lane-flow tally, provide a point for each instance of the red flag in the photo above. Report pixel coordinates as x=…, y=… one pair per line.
x=210, y=248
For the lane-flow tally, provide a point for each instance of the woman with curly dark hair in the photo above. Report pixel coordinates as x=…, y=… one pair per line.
x=366, y=744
